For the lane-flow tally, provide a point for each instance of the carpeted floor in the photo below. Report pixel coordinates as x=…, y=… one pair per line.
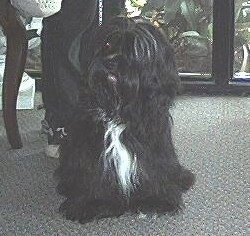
x=212, y=136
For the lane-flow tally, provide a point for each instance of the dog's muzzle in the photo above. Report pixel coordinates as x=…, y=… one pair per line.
x=111, y=67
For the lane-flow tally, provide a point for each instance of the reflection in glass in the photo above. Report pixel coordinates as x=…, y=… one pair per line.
x=188, y=25
x=242, y=40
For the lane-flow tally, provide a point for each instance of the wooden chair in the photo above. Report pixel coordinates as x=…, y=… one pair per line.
x=17, y=45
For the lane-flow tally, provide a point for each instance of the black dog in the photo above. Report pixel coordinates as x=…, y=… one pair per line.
x=118, y=155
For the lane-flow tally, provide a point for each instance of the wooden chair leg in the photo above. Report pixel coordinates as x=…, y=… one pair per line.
x=17, y=45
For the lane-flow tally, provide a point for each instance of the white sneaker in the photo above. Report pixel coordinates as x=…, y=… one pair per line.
x=52, y=150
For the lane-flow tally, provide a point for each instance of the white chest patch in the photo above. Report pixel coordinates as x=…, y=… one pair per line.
x=117, y=156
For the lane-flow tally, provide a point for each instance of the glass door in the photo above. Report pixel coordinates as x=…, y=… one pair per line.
x=242, y=41
x=189, y=27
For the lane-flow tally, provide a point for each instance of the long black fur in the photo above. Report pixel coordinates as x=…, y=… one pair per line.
x=132, y=79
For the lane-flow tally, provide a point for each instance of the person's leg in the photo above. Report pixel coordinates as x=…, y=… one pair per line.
x=60, y=79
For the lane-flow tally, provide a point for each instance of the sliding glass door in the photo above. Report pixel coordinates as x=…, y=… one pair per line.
x=211, y=39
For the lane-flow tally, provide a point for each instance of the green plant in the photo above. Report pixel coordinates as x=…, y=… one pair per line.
x=188, y=25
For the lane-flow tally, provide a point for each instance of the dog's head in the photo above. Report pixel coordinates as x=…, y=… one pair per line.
x=132, y=61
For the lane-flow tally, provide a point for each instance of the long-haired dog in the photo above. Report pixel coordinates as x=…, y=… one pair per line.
x=118, y=155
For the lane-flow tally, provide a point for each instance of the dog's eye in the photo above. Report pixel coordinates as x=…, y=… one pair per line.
x=107, y=46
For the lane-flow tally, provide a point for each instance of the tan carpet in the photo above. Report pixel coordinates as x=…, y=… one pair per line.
x=212, y=136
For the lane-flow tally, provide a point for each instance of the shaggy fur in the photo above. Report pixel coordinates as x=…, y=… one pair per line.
x=118, y=155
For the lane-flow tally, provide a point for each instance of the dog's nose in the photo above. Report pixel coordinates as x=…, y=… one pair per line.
x=113, y=62
x=110, y=64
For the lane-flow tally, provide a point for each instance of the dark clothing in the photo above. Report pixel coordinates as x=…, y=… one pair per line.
x=60, y=78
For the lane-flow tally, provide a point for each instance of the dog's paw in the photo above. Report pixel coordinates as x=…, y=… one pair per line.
x=100, y=209
x=186, y=179
x=88, y=211
x=70, y=210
